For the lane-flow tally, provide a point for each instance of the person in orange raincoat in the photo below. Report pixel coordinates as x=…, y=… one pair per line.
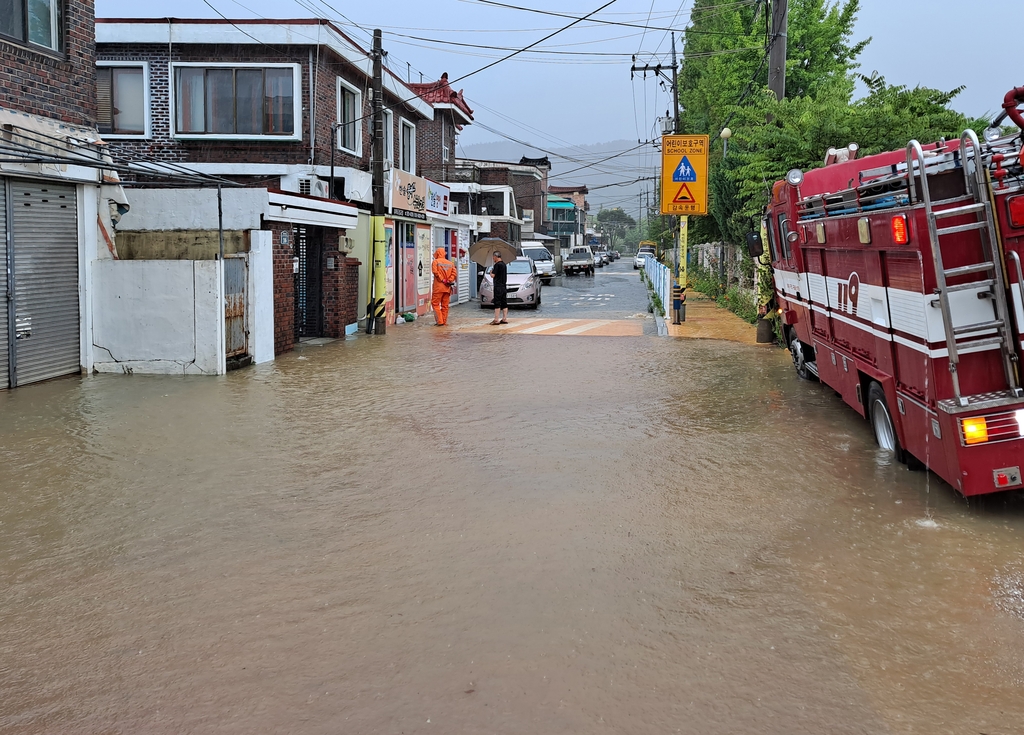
x=445, y=276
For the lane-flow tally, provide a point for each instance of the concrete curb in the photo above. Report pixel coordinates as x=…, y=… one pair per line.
x=662, y=326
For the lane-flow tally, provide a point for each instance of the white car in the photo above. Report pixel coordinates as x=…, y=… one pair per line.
x=640, y=258
x=542, y=259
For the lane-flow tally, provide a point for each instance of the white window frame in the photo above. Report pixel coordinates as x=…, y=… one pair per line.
x=145, y=99
x=297, y=106
x=412, y=157
x=358, y=150
x=445, y=153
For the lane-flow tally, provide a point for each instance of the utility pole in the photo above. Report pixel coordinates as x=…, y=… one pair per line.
x=675, y=86
x=777, y=54
x=376, y=322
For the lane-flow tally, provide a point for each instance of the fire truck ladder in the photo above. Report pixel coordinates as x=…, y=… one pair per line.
x=991, y=266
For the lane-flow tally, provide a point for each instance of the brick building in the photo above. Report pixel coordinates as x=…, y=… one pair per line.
x=436, y=139
x=278, y=106
x=50, y=187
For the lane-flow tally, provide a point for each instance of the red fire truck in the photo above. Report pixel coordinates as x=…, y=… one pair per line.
x=899, y=282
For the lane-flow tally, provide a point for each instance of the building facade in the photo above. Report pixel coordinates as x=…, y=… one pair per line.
x=280, y=107
x=51, y=188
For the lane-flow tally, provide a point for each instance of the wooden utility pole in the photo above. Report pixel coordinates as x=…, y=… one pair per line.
x=375, y=317
x=777, y=54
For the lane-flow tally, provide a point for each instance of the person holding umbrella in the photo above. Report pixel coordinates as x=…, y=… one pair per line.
x=499, y=274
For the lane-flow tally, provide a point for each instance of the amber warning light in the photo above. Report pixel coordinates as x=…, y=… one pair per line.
x=899, y=229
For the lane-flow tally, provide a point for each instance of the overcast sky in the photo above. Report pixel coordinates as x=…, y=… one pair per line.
x=559, y=100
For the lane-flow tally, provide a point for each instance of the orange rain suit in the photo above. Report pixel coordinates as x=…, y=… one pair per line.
x=445, y=277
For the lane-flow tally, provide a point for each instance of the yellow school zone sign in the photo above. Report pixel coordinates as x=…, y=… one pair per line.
x=684, y=174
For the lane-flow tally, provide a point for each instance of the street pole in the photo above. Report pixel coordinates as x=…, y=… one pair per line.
x=777, y=55
x=375, y=318
x=675, y=86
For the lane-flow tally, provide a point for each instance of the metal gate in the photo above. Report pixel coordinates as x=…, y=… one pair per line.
x=235, y=334
x=308, y=284
x=6, y=297
x=43, y=330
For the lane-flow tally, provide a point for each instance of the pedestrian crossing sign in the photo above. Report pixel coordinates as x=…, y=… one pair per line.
x=684, y=174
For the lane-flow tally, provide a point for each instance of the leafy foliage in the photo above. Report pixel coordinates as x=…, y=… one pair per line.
x=723, y=81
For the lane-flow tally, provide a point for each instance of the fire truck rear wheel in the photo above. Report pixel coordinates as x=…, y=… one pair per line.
x=882, y=423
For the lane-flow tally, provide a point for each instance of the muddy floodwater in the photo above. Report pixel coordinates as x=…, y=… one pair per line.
x=451, y=532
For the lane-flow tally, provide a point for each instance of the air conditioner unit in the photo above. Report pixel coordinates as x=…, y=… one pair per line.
x=305, y=186
x=320, y=189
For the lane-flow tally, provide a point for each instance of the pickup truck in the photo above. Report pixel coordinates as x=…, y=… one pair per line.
x=579, y=261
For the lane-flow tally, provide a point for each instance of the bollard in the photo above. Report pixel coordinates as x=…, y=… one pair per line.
x=677, y=303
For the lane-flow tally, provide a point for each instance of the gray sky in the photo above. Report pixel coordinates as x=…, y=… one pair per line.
x=557, y=101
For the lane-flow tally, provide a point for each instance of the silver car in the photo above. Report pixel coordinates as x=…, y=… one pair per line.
x=524, y=285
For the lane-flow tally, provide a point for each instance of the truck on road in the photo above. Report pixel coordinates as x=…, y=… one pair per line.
x=899, y=284
x=580, y=260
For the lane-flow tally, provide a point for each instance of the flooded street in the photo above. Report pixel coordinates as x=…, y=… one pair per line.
x=456, y=531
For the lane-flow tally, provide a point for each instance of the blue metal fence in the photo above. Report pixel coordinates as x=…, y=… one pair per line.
x=660, y=277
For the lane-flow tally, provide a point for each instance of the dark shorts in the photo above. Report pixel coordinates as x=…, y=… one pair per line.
x=500, y=298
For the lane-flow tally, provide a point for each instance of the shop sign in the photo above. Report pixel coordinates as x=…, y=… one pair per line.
x=408, y=195
x=437, y=197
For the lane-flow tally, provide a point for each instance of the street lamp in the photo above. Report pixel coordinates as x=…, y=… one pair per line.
x=725, y=135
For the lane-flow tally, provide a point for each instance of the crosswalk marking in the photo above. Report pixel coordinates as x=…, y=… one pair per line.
x=549, y=325
x=586, y=327
x=561, y=327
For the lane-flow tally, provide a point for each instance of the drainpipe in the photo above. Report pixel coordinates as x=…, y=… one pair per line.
x=312, y=113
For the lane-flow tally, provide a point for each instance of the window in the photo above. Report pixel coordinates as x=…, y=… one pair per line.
x=784, y=237
x=350, y=113
x=37, y=22
x=227, y=101
x=407, y=147
x=445, y=154
x=122, y=99
x=771, y=240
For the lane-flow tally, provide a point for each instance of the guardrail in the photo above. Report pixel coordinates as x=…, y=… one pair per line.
x=660, y=277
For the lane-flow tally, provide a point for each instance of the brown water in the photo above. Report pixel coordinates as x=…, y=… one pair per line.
x=444, y=533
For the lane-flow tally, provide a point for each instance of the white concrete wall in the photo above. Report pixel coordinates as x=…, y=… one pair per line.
x=259, y=310
x=88, y=235
x=159, y=316
x=193, y=209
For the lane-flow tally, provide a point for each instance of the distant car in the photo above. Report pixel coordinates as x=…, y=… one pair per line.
x=524, y=285
x=615, y=254
x=542, y=259
x=580, y=260
x=642, y=253
x=598, y=260
x=606, y=257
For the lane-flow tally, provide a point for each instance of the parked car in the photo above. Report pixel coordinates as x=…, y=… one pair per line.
x=580, y=260
x=606, y=258
x=614, y=254
x=638, y=260
x=598, y=260
x=524, y=285
x=542, y=259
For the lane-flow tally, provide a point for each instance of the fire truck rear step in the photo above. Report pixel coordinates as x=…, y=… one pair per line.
x=976, y=184
x=980, y=402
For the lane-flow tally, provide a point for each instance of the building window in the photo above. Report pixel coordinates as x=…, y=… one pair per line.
x=350, y=115
x=227, y=101
x=37, y=22
x=407, y=147
x=122, y=99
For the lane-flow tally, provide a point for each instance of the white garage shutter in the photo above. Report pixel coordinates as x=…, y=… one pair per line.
x=5, y=380
x=44, y=223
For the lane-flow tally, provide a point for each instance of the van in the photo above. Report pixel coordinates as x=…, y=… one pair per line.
x=542, y=259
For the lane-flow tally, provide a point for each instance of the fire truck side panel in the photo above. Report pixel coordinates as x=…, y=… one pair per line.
x=1013, y=241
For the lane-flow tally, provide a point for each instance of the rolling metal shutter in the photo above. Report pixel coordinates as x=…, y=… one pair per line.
x=44, y=224
x=5, y=303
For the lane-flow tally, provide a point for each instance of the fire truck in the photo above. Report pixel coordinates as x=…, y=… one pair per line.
x=899, y=284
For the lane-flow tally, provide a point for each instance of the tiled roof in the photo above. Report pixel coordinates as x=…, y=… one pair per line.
x=568, y=190
x=440, y=92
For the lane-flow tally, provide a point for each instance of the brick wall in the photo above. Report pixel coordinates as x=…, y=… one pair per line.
x=432, y=136
x=164, y=146
x=57, y=85
x=341, y=293
x=284, y=287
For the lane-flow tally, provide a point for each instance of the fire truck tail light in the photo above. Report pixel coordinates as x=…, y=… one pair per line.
x=900, y=236
x=1015, y=208
x=975, y=430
